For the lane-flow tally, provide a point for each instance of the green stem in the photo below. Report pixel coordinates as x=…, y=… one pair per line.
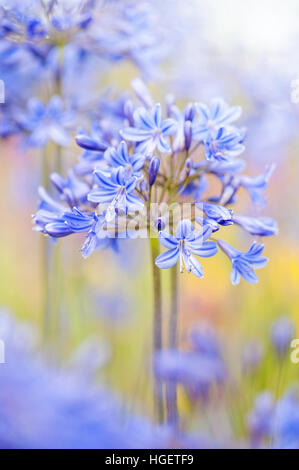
x=157, y=328
x=171, y=388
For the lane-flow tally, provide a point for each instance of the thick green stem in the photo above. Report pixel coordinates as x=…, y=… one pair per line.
x=171, y=388
x=157, y=328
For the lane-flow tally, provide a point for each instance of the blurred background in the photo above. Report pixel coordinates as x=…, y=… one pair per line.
x=247, y=53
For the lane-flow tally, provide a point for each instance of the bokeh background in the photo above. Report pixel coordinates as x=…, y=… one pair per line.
x=246, y=52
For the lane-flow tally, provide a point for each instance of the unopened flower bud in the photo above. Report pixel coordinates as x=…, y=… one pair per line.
x=189, y=112
x=153, y=170
x=188, y=165
x=88, y=143
x=160, y=223
x=188, y=134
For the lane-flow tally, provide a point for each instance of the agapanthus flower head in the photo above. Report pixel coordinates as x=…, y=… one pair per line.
x=124, y=171
x=198, y=374
x=243, y=263
x=275, y=423
x=198, y=369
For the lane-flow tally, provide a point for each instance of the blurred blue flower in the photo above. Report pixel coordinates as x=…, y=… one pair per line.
x=43, y=407
x=183, y=246
x=251, y=356
x=282, y=332
x=261, y=419
x=243, y=263
x=197, y=370
x=286, y=428
x=275, y=422
x=206, y=341
x=150, y=130
x=47, y=122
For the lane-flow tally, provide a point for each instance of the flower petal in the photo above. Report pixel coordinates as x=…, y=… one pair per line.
x=168, y=259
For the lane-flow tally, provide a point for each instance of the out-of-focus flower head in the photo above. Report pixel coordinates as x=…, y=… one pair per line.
x=197, y=370
x=46, y=123
x=282, y=332
x=42, y=407
x=275, y=424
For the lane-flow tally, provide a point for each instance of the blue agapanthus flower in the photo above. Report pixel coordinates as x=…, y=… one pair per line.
x=243, y=263
x=224, y=144
x=184, y=245
x=116, y=188
x=47, y=123
x=212, y=118
x=121, y=157
x=150, y=131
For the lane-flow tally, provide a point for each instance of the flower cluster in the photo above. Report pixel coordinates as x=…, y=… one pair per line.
x=161, y=164
x=44, y=43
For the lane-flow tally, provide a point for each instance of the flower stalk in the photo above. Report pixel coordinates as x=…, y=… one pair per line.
x=171, y=387
x=157, y=327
